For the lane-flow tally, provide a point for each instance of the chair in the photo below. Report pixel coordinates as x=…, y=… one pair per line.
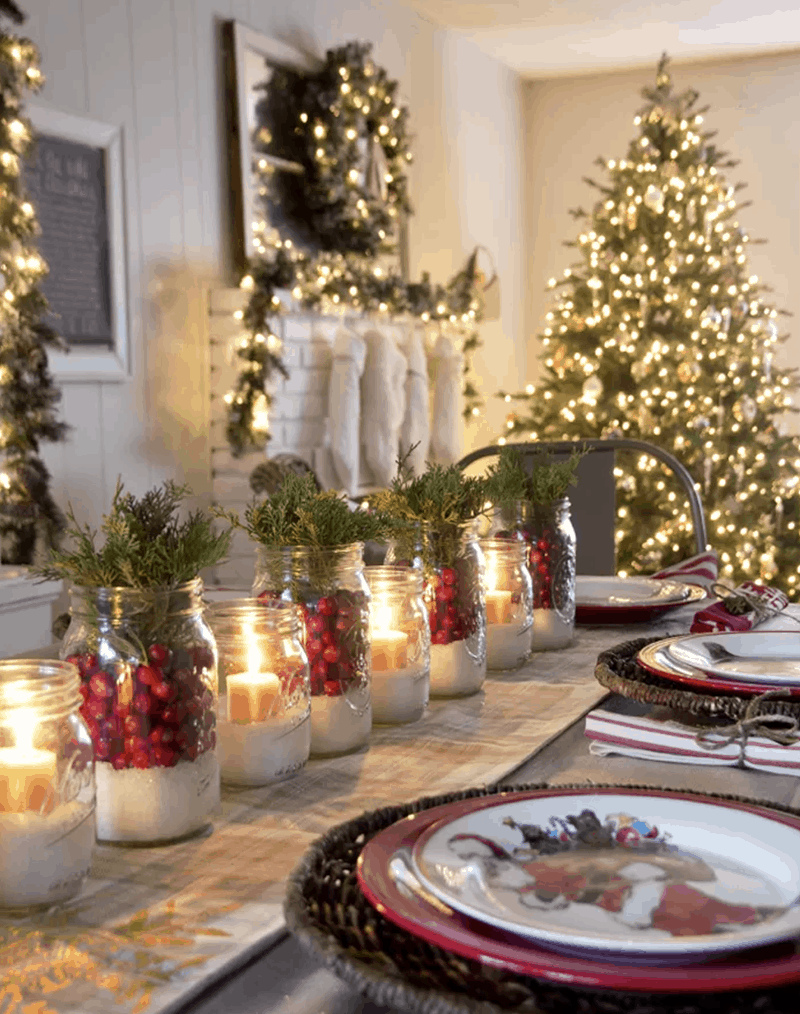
x=593, y=501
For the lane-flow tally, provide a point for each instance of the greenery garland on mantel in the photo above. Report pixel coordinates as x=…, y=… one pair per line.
x=346, y=130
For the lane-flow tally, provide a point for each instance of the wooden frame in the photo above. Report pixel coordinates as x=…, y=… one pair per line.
x=249, y=55
x=88, y=362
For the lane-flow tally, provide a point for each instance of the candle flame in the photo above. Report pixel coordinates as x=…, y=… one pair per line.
x=253, y=654
x=382, y=618
x=25, y=723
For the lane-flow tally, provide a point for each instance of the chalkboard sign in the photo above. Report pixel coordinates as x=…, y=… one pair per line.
x=66, y=182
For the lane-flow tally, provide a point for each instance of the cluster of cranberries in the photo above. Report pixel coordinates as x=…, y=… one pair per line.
x=449, y=616
x=162, y=713
x=540, y=568
x=335, y=640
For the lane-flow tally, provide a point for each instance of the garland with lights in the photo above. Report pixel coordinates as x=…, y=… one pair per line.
x=28, y=395
x=343, y=125
x=659, y=331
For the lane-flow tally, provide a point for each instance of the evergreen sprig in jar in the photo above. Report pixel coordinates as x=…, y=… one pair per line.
x=47, y=792
x=148, y=666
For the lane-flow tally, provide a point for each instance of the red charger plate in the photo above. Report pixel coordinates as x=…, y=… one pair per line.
x=774, y=965
x=633, y=612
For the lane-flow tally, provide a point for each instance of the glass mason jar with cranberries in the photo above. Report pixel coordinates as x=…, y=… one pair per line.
x=148, y=666
x=329, y=587
x=451, y=560
x=550, y=536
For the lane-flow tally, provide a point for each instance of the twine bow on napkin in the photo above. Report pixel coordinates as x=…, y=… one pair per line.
x=740, y=608
x=781, y=729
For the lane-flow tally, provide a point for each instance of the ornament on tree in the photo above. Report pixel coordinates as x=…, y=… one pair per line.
x=745, y=409
x=654, y=199
x=771, y=329
x=726, y=315
x=710, y=317
x=592, y=389
x=700, y=422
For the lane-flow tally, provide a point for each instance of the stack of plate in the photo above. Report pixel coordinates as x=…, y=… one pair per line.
x=629, y=599
x=750, y=662
x=640, y=890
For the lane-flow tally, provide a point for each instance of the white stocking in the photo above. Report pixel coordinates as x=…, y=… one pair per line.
x=344, y=406
x=446, y=428
x=416, y=428
x=383, y=402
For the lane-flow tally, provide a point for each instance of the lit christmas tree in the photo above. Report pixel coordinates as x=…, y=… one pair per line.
x=659, y=331
x=28, y=396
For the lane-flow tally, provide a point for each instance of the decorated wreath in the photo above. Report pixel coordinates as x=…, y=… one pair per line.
x=343, y=125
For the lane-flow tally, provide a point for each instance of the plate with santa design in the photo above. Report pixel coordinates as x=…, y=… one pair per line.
x=662, y=878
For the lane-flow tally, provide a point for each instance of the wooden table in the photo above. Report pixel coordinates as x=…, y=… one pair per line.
x=284, y=980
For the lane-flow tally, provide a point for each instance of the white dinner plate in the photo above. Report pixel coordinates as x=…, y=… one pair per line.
x=627, y=591
x=767, y=656
x=667, y=877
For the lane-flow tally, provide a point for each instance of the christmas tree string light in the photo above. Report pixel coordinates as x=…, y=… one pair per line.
x=28, y=395
x=660, y=331
x=349, y=133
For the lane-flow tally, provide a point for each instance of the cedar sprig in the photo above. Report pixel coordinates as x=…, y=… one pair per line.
x=298, y=514
x=442, y=494
x=147, y=545
x=542, y=482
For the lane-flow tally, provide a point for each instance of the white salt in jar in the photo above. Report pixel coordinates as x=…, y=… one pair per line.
x=47, y=791
x=401, y=645
x=264, y=727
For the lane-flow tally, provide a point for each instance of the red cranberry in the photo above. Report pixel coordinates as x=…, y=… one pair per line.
x=141, y=759
x=163, y=691
x=445, y=592
x=328, y=637
x=316, y=686
x=148, y=675
x=102, y=749
x=448, y=575
x=314, y=647
x=319, y=670
x=158, y=653
x=331, y=653
x=84, y=691
x=333, y=688
x=119, y=762
x=143, y=703
x=102, y=685
x=327, y=606
x=315, y=624
x=169, y=714
x=132, y=725
x=96, y=707
x=121, y=710
x=162, y=734
x=440, y=637
x=87, y=664
x=164, y=756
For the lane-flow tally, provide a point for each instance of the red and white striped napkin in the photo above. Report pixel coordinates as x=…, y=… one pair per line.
x=702, y=569
x=668, y=740
x=766, y=602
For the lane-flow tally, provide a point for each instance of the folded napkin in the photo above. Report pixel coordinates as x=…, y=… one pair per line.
x=702, y=569
x=748, y=743
x=746, y=606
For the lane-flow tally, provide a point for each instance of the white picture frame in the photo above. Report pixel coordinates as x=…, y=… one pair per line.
x=250, y=54
x=89, y=362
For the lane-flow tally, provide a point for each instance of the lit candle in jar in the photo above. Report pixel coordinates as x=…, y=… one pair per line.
x=388, y=645
x=26, y=773
x=252, y=695
x=498, y=606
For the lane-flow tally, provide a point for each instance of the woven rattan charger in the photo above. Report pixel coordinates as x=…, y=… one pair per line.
x=618, y=671
x=333, y=920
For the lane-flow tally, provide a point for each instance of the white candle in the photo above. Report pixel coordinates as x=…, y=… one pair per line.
x=507, y=645
x=26, y=776
x=455, y=670
x=388, y=650
x=400, y=695
x=550, y=630
x=252, y=696
x=498, y=606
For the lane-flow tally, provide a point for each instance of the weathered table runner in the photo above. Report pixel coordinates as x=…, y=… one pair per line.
x=154, y=926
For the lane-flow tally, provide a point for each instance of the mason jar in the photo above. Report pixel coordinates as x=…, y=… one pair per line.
x=329, y=587
x=47, y=791
x=509, y=603
x=148, y=666
x=451, y=561
x=264, y=719
x=550, y=536
x=401, y=645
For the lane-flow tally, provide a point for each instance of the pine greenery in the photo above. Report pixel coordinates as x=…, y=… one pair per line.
x=146, y=545
x=442, y=494
x=659, y=331
x=508, y=480
x=297, y=514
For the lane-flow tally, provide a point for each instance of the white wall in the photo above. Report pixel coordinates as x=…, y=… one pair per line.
x=755, y=109
x=154, y=69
